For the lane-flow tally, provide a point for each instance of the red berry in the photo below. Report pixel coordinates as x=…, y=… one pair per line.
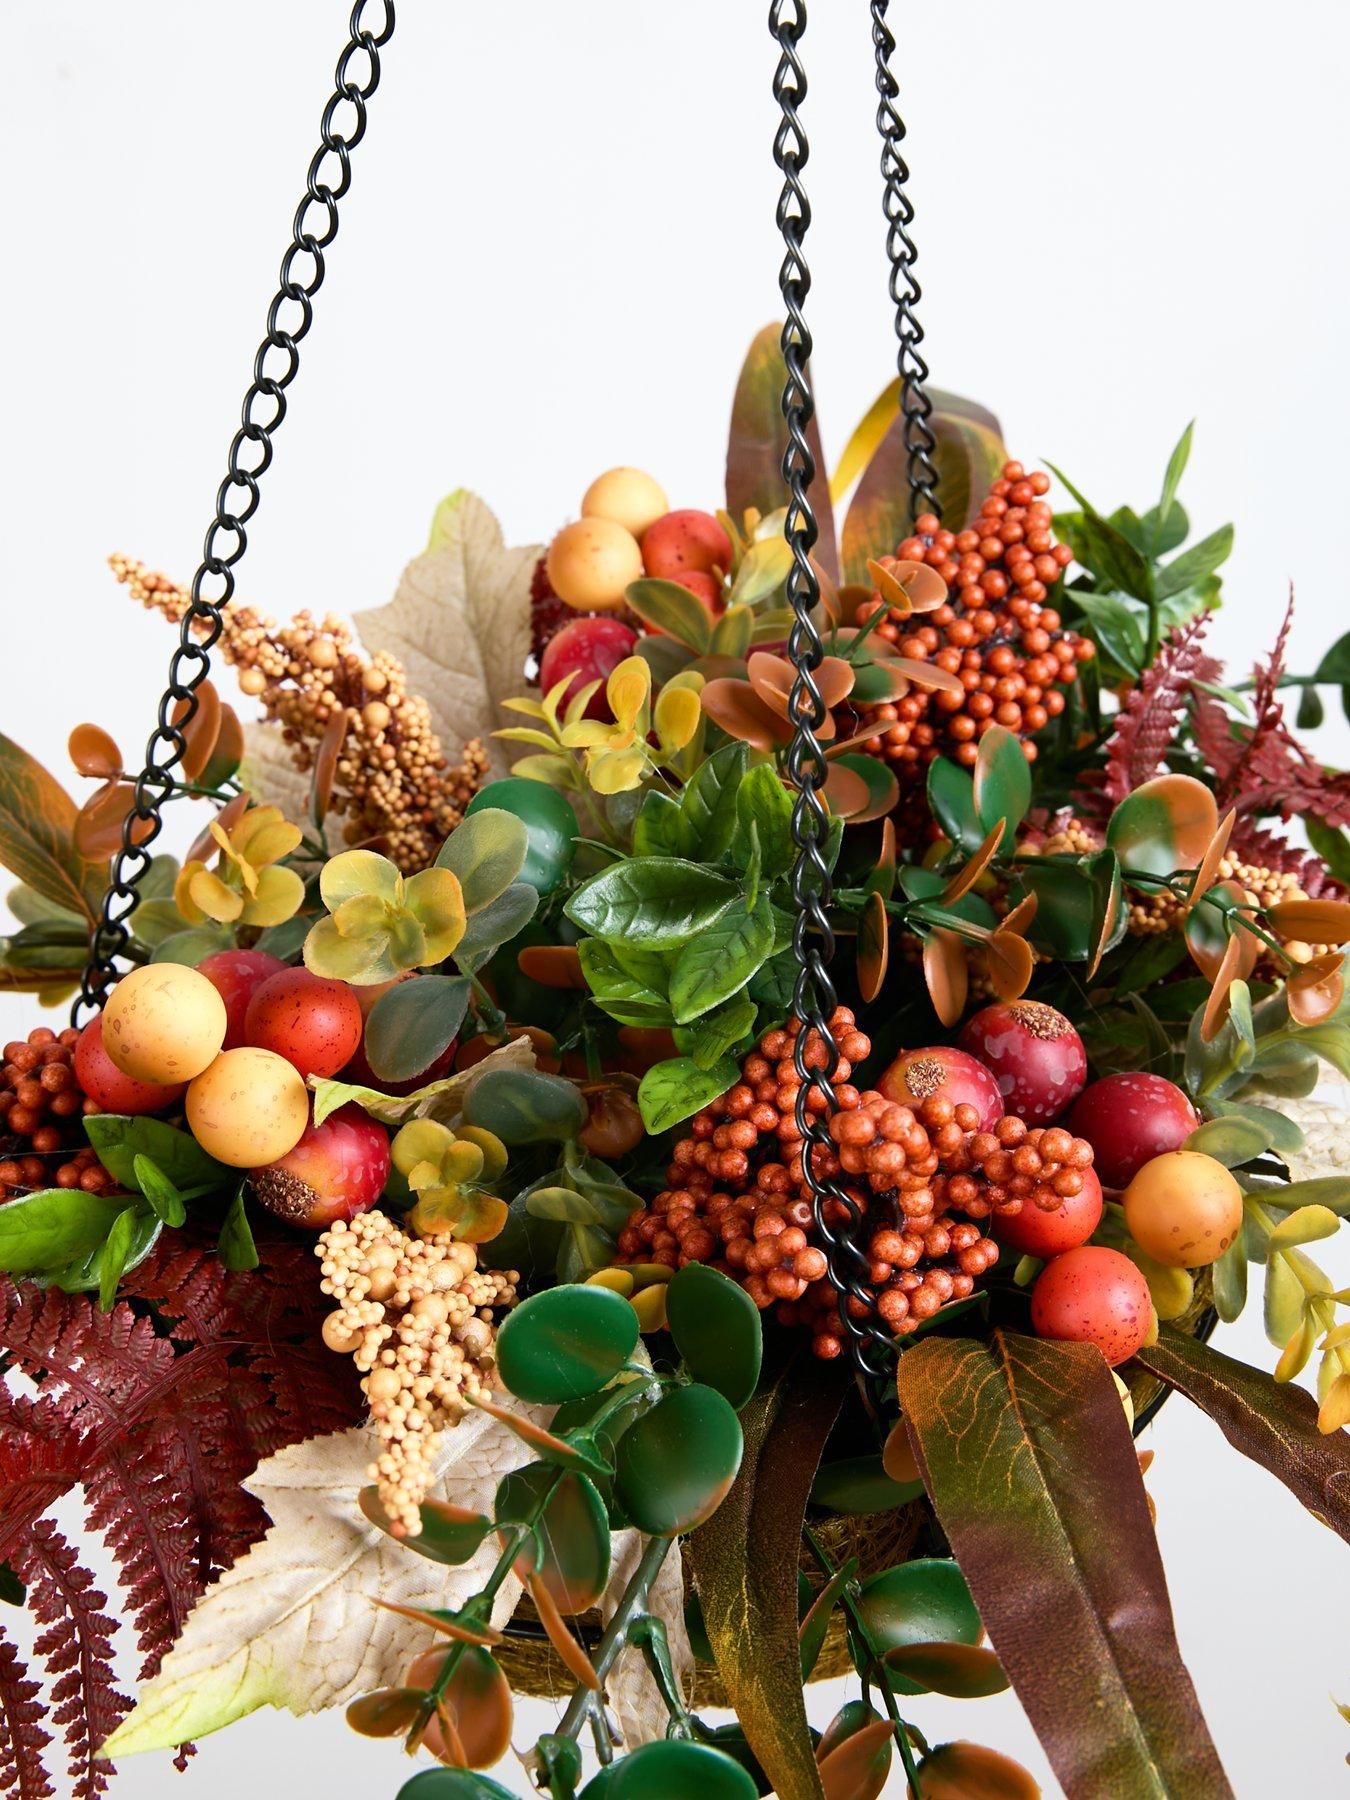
x=105, y=1084
x=314, y=1023
x=1128, y=1120
x=1036, y=1232
x=236, y=975
x=939, y=1072
x=684, y=540
x=1033, y=1053
x=586, y=650
x=337, y=1170
x=1095, y=1296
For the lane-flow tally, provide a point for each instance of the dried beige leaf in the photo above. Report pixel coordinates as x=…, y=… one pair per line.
x=459, y=623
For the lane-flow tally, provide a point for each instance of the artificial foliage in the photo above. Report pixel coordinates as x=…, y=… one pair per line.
x=415, y=1271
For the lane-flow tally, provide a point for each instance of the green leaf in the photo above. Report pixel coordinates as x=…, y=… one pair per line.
x=573, y=1532
x=1332, y=844
x=717, y=1331
x=1334, y=668
x=708, y=802
x=925, y=1601
x=1311, y=714
x=191, y=947
x=672, y=609
x=452, y=1784
x=1117, y=627
x=657, y=901
x=118, y=1138
x=733, y=632
x=564, y=1342
x=744, y=1563
x=674, y=1090
x=1229, y=1141
x=117, y=1253
x=763, y=801
x=1273, y=1422
x=720, y=960
x=1194, y=564
x=525, y=1106
x=718, y=1031
x=1176, y=468
x=496, y=924
x=627, y=997
x=444, y=1537
x=164, y=1197
x=487, y=851
x=234, y=1245
x=661, y=828
x=285, y=940
x=47, y=1231
x=12, y=1590
x=1332, y=1191
x=663, y=1769
x=764, y=569
x=859, y=1484
x=951, y=796
x=37, y=835
x=1109, y=555
x=1230, y=1280
x=415, y=1023
x=1002, y=783
x=1029, y=1462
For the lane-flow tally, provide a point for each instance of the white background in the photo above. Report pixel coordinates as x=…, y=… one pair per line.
x=558, y=243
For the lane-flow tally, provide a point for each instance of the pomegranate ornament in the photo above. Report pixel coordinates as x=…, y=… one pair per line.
x=939, y=1072
x=1130, y=1119
x=1034, y=1054
x=337, y=1170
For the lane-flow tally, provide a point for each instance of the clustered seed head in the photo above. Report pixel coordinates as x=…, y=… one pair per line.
x=415, y=1315
x=393, y=783
x=995, y=632
x=41, y=1106
x=922, y=1180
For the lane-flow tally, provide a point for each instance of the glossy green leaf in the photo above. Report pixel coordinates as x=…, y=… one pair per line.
x=487, y=852
x=46, y=1231
x=673, y=610
x=762, y=799
x=708, y=801
x=414, y=1024
x=661, y=828
x=525, y=1106
x=452, y=1784
x=859, y=1484
x=1273, y=1422
x=675, y=1465
x=1195, y=564
x=921, y=1602
x=717, y=1331
x=572, y=1533
x=234, y=1243
x=550, y=824
x=951, y=796
x=663, y=1770
x=641, y=1393
x=744, y=1560
x=118, y=1250
x=656, y=901
x=449, y=1535
x=709, y=1039
x=1001, y=785
x=1030, y=1465
x=757, y=440
x=118, y=1138
x=161, y=1193
x=720, y=960
x=564, y=1342
x=674, y=1090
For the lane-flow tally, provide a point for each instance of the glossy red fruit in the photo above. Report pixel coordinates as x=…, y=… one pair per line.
x=684, y=540
x=587, y=650
x=1128, y=1120
x=940, y=1072
x=105, y=1084
x=1033, y=1053
x=337, y=1170
x=236, y=975
x=1094, y=1296
x=1035, y=1232
x=313, y=1022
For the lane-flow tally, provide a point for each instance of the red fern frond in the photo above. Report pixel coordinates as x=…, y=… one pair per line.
x=22, y=1739
x=1146, y=724
x=77, y=1648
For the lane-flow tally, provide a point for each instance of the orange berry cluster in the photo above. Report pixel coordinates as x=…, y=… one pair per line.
x=40, y=1109
x=995, y=633
x=921, y=1177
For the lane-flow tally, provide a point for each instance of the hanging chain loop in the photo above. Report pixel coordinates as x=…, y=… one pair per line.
x=274, y=368
x=915, y=405
x=816, y=1054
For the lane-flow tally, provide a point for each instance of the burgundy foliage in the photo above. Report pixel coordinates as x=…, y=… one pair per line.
x=1147, y=723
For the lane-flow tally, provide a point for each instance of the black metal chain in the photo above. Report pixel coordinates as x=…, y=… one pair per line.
x=274, y=368
x=917, y=408
x=837, y=1217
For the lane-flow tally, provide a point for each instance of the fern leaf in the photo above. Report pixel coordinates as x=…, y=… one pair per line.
x=22, y=1739
x=1147, y=723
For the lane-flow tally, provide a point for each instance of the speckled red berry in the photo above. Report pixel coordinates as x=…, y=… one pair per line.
x=236, y=976
x=940, y=1072
x=1093, y=1295
x=1033, y=1053
x=683, y=540
x=1037, y=1232
x=337, y=1170
x=586, y=650
x=100, y=1078
x=314, y=1023
x=1128, y=1120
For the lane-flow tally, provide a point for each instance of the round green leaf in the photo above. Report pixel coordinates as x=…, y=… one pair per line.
x=677, y=1462
x=444, y=1537
x=961, y=1671
x=573, y=1533
x=921, y=1602
x=717, y=1330
x=564, y=1342
x=859, y=1484
x=550, y=825
x=525, y=1106
x=661, y=1771
x=414, y=1024
x=1231, y=1141
x=1165, y=825
x=452, y=1784
x=487, y=852
x=1002, y=782
x=642, y=1394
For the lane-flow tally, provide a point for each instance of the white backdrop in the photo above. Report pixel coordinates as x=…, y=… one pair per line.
x=558, y=243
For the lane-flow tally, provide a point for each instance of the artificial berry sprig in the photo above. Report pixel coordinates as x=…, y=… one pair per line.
x=41, y=1108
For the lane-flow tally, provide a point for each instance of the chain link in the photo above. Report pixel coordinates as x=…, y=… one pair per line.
x=274, y=368
x=838, y=1219
x=915, y=405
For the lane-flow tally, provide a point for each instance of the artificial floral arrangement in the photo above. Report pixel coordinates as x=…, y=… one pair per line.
x=412, y=1262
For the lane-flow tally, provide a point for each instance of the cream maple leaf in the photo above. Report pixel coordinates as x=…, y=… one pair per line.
x=459, y=622
x=294, y=1623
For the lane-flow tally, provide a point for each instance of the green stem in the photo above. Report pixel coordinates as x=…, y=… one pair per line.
x=490, y=1015
x=904, y=1733
x=631, y=1602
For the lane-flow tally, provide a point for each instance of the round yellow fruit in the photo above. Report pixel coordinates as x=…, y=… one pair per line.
x=1184, y=1209
x=591, y=563
x=249, y=1108
x=164, y=1023
x=628, y=497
